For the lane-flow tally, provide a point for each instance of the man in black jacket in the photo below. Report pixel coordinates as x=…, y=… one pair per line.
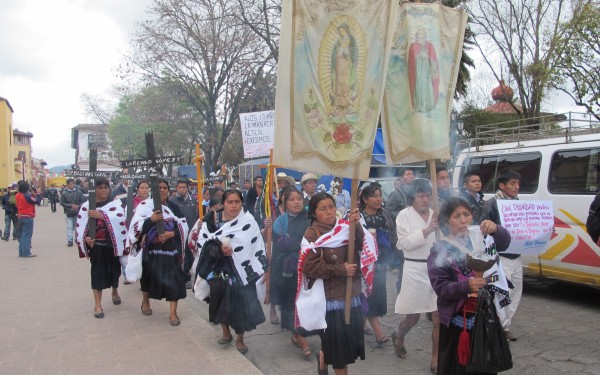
x=71, y=199
x=471, y=192
x=10, y=213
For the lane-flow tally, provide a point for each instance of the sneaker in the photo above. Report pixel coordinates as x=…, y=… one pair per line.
x=70, y=243
x=510, y=336
x=188, y=285
x=30, y=256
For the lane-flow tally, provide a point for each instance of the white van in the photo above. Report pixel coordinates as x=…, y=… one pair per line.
x=565, y=169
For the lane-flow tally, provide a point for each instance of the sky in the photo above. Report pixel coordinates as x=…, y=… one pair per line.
x=54, y=51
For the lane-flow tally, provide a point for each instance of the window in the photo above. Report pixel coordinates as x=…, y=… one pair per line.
x=574, y=172
x=97, y=140
x=527, y=164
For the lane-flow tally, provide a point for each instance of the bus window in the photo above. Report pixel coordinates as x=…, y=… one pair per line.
x=574, y=172
x=527, y=164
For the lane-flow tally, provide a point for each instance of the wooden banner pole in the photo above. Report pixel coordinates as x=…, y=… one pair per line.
x=351, y=242
x=269, y=242
x=434, y=193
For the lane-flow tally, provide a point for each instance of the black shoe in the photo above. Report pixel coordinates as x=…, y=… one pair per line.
x=70, y=243
x=4, y=239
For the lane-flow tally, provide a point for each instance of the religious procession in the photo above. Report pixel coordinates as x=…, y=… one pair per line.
x=356, y=195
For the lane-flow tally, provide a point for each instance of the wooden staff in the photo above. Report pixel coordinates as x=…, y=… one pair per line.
x=268, y=213
x=351, y=241
x=92, y=192
x=199, y=159
x=434, y=193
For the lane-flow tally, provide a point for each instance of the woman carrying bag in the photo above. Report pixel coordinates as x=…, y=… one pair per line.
x=457, y=284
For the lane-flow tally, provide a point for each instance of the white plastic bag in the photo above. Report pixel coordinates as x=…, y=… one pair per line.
x=201, y=289
x=261, y=288
x=133, y=270
x=311, y=305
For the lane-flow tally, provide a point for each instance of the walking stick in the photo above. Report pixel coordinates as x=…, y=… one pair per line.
x=351, y=241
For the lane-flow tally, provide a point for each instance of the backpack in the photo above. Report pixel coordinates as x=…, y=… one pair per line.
x=12, y=199
x=592, y=223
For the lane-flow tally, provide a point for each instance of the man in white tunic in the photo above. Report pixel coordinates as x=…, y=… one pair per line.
x=416, y=227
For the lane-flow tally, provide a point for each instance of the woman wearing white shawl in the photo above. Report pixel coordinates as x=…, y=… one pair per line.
x=232, y=260
x=162, y=257
x=108, y=245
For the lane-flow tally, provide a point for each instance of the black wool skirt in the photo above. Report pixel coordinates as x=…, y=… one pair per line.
x=106, y=269
x=234, y=305
x=342, y=343
x=377, y=301
x=162, y=275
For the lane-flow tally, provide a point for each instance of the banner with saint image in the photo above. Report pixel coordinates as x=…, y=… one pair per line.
x=332, y=62
x=421, y=79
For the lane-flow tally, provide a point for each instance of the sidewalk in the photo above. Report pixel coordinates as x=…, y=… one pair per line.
x=48, y=327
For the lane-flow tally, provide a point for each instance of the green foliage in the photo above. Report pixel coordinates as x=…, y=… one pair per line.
x=578, y=45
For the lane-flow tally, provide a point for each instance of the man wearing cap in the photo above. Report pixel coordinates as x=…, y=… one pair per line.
x=71, y=199
x=309, y=186
x=284, y=180
x=10, y=213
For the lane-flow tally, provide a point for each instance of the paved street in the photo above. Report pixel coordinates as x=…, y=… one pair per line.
x=47, y=327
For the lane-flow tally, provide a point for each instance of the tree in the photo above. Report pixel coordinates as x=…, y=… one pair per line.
x=217, y=64
x=578, y=68
x=97, y=108
x=521, y=35
x=161, y=109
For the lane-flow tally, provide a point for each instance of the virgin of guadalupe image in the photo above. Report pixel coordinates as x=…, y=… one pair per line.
x=344, y=60
x=423, y=73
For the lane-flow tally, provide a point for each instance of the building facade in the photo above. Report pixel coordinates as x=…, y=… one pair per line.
x=7, y=170
x=87, y=136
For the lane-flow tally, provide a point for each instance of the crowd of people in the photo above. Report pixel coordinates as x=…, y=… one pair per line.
x=224, y=256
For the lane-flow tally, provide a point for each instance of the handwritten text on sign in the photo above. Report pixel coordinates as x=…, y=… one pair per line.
x=530, y=224
x=257, y=133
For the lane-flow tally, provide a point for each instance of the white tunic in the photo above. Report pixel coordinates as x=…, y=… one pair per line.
x=416, y=294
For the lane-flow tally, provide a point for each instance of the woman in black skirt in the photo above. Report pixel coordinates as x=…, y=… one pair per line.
x=288, y=231
x=232, y=279
x=163, y=255
x=105, y=248
x=383, y=227
x=341, y=343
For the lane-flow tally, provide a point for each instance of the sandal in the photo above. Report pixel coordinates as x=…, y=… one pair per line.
x=116, y=300
x=319, y=370
x=368, y=331
x=382, y=340
x=306, y=351
x=147, y=312
x=242, y=349
x=225, y=340
x=400, y=350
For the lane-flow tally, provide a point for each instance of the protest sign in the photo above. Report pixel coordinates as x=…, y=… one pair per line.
x=530, y=224
x=257, y=133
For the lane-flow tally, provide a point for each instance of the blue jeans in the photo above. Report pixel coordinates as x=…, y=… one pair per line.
x=26, y=226
x=8, y=218
x=71, y=221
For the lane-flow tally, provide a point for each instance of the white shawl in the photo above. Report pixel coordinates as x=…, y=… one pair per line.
x=249, y=254
x=114, y=217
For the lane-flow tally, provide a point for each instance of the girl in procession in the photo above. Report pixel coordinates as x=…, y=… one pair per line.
x=288, y=231
x=162, y=254
x=106, y=247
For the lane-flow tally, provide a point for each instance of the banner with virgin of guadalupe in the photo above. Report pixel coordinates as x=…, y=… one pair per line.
x=333, y=59
x=421, y=79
